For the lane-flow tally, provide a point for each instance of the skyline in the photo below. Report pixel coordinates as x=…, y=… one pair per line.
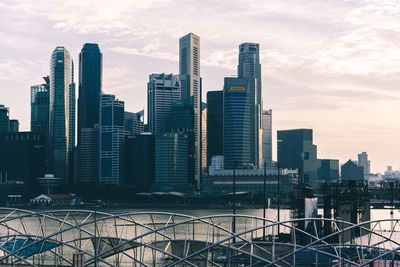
x=356, y=92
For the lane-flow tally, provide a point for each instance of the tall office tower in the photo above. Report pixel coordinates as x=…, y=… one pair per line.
x=4, y=119
x=171, y=156
x=163, y=90
x=182, y=122
x=189, y=70
x=89, y=155
x=215, y=124
x=40, y=107
x=297, y=151
x=134, y=122
x=112, y=140
x=364, y=162
x=90, y=76
x=139, y=161
x=13, y=126
x=204, y=136
x=249, y=67
x=61, y=113
x=22, y=157
x=267, y=137
x=236, y=122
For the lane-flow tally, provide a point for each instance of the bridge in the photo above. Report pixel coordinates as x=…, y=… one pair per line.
x=93, y=238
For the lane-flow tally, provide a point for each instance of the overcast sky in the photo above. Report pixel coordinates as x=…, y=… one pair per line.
x=329, y=65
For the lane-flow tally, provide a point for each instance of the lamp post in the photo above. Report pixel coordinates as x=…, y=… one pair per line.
x=264, y=197
x=234, y=200
x=279, y=198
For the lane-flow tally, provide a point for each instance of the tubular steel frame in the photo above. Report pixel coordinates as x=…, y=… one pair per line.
x=168, y=239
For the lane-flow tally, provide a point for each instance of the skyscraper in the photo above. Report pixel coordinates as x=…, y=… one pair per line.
x=22, y=157
x=364, y=162
x=134, y=122
x=89, y=155
x=139, y=161
x=215, y=124
x=297, y=151
x=171, y=166
x=236, y=143
x=40, y=107
x=90, y=81
x=4, y=119
x=203, y=136
x=189, y=70
x=267, y=137
x=250, y=68
x=90, y=76
x=112, y=140
x=61, y=112
x=163, y=90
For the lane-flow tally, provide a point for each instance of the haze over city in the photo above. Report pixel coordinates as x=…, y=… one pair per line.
x=332, y=66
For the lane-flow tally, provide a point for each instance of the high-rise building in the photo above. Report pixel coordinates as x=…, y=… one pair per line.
x=250, y=68
x=236, y=142
x=297, y=151
x=267, y=137
x=90, y=79
x=112, y=140
x=139, y=161
x=171, y=166
x=328, y=170
x=163, y=90
x=40, y=107
x=364, y=162
x=215, y=124
x=189, y=73
x=4, y=119
x=13, y=126
x=204, y=136
x=182, y=121
x=22, y=157
x=61, y=113
x=134, y=122
x=89, y=155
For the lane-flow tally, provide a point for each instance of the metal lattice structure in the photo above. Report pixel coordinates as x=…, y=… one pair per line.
x=91, y=238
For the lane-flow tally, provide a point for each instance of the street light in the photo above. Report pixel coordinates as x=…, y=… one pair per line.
x=234, y=200
x=279, y=198
x=265, y=201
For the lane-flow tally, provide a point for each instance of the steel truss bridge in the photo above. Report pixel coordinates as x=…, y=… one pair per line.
x=92, y=238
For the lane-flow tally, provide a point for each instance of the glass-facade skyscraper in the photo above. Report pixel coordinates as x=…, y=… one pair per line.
x=90, y=77
x=90, y=81
x=250, y=68
x=171, y=162
x=40, y=107
x=236, y=122
x=61, y=113
x=215, y=124
x=267, y=137
x=112, y=140
x=163, y=90
x=189, y=70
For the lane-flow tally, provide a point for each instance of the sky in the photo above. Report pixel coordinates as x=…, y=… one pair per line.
x=331, y=65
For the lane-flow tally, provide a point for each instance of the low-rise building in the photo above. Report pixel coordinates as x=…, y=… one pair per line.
x=252, y=181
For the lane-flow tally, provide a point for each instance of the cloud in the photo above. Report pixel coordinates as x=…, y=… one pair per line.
x=331, y=65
